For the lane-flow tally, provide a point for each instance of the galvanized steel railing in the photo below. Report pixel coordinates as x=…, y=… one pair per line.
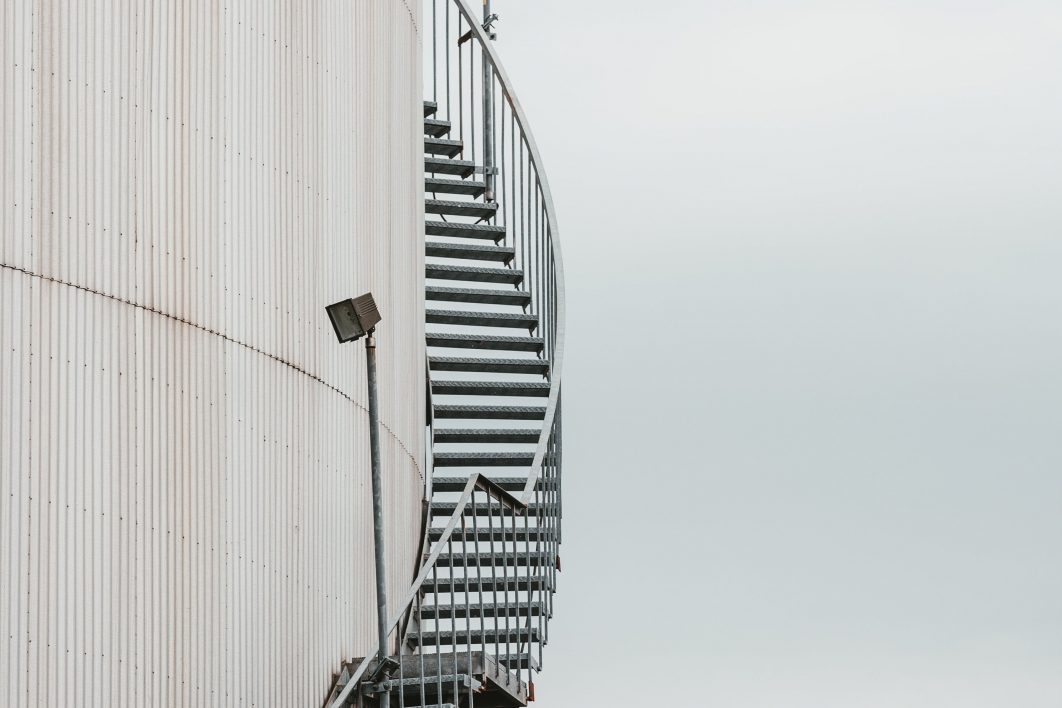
x=437, y=617
x=473, y=92
x=471, y=89
x=480, y=498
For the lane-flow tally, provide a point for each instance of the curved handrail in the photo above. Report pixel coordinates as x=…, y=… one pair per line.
x=547, y=197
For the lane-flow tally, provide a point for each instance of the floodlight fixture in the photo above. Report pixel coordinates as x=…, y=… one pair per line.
x=353, y=318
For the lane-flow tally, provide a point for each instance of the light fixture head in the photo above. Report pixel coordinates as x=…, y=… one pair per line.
x=352, y=319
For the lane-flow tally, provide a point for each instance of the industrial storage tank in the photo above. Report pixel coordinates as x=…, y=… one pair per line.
x=185, y=513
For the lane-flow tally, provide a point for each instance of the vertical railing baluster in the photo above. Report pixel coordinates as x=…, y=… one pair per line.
x=434, y=52
x=420, y=643
x=438, y=633
x=541, y=548
x=516, y=595
x=468, y=604
x=446, y=53
x=479, y=574
x=505, y=574
x=460, y=83
x=529, y=596
x=453, y=614
x=513, y=195
x=493, y=571
x=401, y=670
x=472, y=46
x=503, y=195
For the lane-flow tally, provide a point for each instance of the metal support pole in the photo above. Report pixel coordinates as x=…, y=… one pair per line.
x=377, y=506
x=488, y=114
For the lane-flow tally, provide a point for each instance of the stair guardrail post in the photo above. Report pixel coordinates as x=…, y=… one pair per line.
x=488, y=109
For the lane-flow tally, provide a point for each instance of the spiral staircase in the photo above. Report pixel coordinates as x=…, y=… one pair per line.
x=472, y=627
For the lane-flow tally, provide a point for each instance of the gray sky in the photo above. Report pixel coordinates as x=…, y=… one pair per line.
x=829, y=474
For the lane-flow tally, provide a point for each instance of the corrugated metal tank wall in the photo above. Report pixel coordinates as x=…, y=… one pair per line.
x=185, y=516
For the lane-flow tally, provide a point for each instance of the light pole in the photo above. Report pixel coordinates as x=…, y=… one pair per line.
x=352, y=319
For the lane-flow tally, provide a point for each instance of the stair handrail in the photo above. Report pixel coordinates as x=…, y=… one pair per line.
x=528, y=139
x=476, y=482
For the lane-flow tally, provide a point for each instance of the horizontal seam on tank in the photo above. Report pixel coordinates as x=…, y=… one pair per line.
x=224, y=336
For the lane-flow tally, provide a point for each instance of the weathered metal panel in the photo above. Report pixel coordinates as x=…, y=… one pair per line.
x=184, y=478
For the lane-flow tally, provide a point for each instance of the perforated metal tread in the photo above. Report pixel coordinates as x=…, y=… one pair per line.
x=457, y=484
x=484, y=341
x=429, y=108
x=458, y=230
x=497, y=366
x=440, y=165
x=522, y=583
x=486, y=435
x=483, y=459
x=518, y=661
x=474, y=610
x=436, y=128
x=490, y=388
x=436, y=185
x=483, y=296
x=447, y=508
x=476, y=274
x=430, y=684
x=520, y=535
x=517, y=320
x=493, y=560
x=489, y=412
x=479, y=210
x=461, y=637
x=469, y=251
x=442, y=146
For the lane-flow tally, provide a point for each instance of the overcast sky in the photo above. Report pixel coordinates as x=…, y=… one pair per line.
x=813, y=432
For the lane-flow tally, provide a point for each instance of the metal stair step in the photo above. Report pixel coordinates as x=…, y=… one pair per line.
x=483, y=459
x=458, y=230
x=496, y=366
x=479, y=611
x=490, y=388
x=522, y=583
x=462, y=680
x=484, y=296
x=494, y=560
x=430, y=107
x=469, y=251
x=489, y=412
x=436, y=185
x=435, y=127
x=479, y=210
x=445, y=637
x=411, y=686
x=447, y=509
x=482, y=319
x=473, y=274
x=457, y=484
x=519, y=661
x=520, y=535
x=442, y=146
x=484, y=341
x=446, y=166
x=491, y=435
